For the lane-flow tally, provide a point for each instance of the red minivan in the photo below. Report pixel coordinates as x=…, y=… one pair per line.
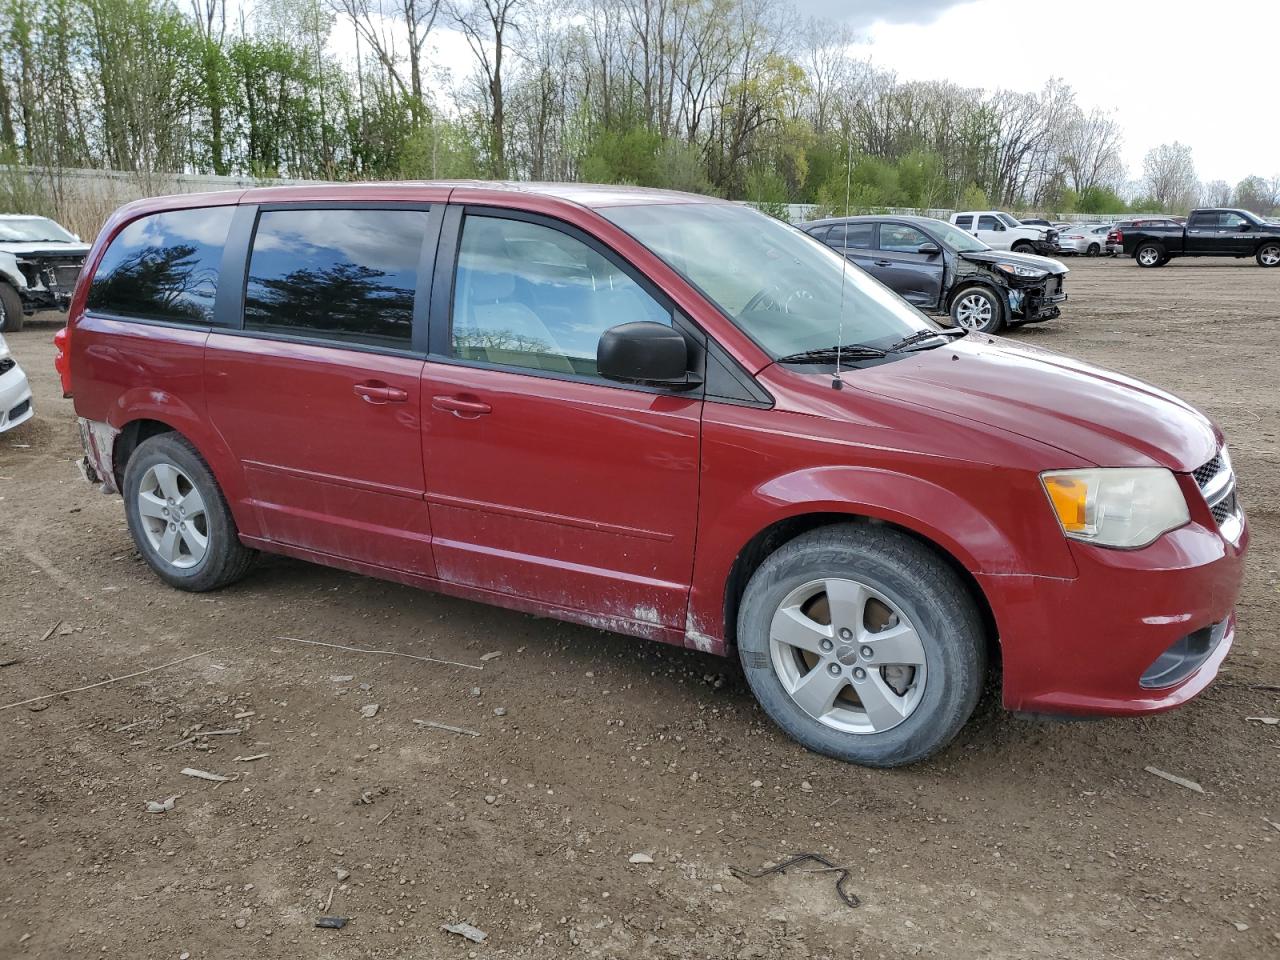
x=663, y=415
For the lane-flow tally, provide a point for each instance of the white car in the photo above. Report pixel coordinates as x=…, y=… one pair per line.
x=15, y=392
x=1086, y=239
x=1001, y=231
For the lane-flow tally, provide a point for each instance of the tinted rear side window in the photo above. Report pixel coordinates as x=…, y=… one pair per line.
x=346, y=275
x=164, y=267
x=964, y=222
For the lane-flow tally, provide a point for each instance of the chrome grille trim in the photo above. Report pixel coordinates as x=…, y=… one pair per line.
x=1217, y=483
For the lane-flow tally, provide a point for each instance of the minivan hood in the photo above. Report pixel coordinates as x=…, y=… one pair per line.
x=1054, y=267
x=1102, y=417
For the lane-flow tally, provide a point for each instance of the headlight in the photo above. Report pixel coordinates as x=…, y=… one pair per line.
x=1018, y=270
x=1116, y=507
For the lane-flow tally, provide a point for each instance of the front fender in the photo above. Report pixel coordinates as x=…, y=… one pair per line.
x=994, y=528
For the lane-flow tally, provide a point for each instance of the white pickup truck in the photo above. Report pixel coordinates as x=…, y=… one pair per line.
x=1000, y=231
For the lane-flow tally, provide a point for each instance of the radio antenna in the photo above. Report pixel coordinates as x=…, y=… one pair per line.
x=836, y=382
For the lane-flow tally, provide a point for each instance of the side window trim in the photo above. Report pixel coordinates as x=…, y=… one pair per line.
x=240, y=248
x=228, y=303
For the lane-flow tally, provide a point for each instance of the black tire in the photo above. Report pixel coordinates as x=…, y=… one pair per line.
x=995, y=305
x=915, y=580
x=225, y=559
x=1150, y=255
x=1268, y=252
x=1093, y=251
x=11, y=317
x=1023, y=246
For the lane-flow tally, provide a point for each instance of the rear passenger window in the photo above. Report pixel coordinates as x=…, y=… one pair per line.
x=855, y=236
x=345, y=275
x=965, y=222
x=1199, y=221
x=164, y=267
x=527, y=295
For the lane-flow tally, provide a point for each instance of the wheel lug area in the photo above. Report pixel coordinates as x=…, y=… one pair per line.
x=834, y=669
x=867, y=653
x=859, y=674
x=826, y=646
x=846, y=633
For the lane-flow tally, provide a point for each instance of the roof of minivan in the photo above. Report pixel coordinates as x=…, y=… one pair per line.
x=583, y=194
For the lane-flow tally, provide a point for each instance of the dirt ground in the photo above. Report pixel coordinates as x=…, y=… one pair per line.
x=1025, y=839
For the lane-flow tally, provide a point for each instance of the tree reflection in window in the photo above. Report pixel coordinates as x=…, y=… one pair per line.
x=336, y=274
x=164, y=267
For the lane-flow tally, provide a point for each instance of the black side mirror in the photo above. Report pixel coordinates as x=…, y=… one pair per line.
x=928, y=249
x=645, y=352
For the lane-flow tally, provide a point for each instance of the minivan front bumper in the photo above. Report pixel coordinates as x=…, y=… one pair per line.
x=1137, y=631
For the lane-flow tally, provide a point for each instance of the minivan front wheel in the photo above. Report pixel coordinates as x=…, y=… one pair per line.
x=178, y=517
x=862, y=644
x=977, y=309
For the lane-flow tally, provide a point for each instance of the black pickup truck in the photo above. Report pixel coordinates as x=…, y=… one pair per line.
x=1207, y=233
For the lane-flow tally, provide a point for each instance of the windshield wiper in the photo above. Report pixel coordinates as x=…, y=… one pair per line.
x=854, y=351
x=922, y=335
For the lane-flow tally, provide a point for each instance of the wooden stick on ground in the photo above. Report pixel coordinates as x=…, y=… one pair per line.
x=383, y=653
x=103, y=683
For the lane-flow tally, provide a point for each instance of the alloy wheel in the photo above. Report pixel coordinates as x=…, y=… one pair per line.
x=1270, y=256
x=1149, y=256
x=173, y=516
x=847, y=656
x=974, y=311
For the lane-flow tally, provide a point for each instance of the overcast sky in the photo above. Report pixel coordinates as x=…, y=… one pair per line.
x=1133, y=58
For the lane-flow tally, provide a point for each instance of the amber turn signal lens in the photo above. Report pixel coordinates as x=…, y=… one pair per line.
x=1069, y=497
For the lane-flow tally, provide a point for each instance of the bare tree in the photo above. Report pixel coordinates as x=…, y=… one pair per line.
x=1091, y=147
x=487, y=25
x=372, y=19
x=1216, y=193
x=1169, y=176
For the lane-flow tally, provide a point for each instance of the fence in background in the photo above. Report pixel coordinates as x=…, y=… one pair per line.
x=82, y=199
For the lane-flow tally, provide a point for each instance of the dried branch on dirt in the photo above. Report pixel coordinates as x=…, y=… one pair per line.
x=435, y=725
x=383, y=653
x=1173, y=778
x=103, y=683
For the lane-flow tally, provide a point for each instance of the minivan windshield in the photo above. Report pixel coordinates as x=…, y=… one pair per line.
x=32, y=230
x=784, y=289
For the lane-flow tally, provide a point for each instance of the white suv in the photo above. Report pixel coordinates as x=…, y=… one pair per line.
x=15, y=392
x=1000, y=231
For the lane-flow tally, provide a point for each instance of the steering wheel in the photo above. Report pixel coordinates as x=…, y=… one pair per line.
x=767, y=298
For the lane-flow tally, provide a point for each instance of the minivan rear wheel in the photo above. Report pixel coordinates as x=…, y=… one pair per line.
x=862, y=644
x=179, y=518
